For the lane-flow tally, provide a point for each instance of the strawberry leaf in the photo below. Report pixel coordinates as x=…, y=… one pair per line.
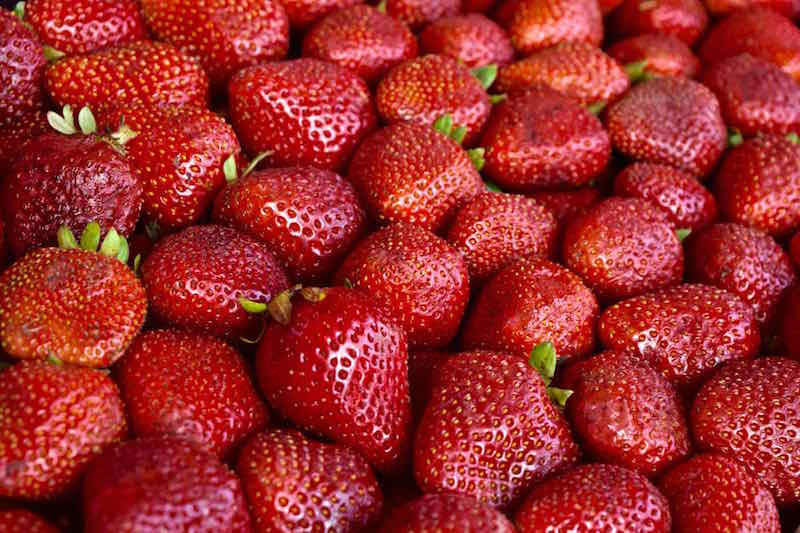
x=543, y=359
x=486, y=75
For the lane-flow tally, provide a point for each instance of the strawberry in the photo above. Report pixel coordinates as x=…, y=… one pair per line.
x=789, y=8
x=743, y=261
x=794, y=249
x=530, y=302
x=477, y=6
x=494, y=229
x=685, y=19
x=362, y=39
x=303, y=13
x=165, y=384
x=540, y=139
x=673, y=121
x=18, y=520
x=473, y=39
x=162, y=484
x=445, y=512
x=226, y=35
x=660, y=55
x=294, y=483
x=566, y=205
x=418, y=13
x=624, y=412
x=595, y=497
x=607, y=6
x=712, y=492
x=790, y=322
x=684, y=200
x=623, y=247
x=22, y=67
x=309, y=217
x=576, y=69
x=444, y=177
x=76, y=305
x=3, y=251
x=765, y=390
x=63, y=417
x=490, y=431
x=336, y=365
x=305, y=111
x=13, y=137
x=80, y=26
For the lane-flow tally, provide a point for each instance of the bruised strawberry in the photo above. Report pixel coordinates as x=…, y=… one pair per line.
x=445, y=512
x=474, y=40
x=661, y=55
x=789, y=8
x=790, y=322
x=22, y=67
x=59, y=419
x=303, y=13
x=363, y=39
x=23, y=521
x=566, y=205
x=294, y=483
x=685, y=19
x=14, y=137
x=418, y=13
x=535, y=24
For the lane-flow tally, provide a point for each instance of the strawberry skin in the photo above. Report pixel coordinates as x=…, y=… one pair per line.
x=566, y=205
x=23, y=521
x=303, y=13
x=685, y=19
x=665, y=55
x=789, y=8
x=14, y=136
x=536, y=24
x=446, y=512
x=22, y=67
x=59, y=419
x=473, y=39
x=294, y=483
x=418, y=13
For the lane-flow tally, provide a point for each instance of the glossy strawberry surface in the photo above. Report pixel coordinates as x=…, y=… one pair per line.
x=418, y=13
x=22, y=67
x=665, y=55
x=473, y=39
x=303, y=13
x=536, y=24
x=685, y=19
x=445, y=512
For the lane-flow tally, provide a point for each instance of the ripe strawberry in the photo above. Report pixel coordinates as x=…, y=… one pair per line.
x=309, y=217
x=477, y=6
x=566, y=205
x=661, y=55
x=445, y=512
x=418, y=13
x=162, y=484
x=474, y=40
x=59, y=419
x=22, y=67
x=194, y=279
x=685, y=19
x=492, y=446
x=790, y=322
x=362, y=39
x=595, y=497
x=351, y=383
x=81, y=26
x=743, y=261
x=789, y=8
x=540, y=139
x=669, y=120
x=13, y=137
x=576, y=69
x=607, y=6
x=294, y=483
x=444, y=177
x=18, y=520
x=712, y=492
x=303, y=13
x=305, y=111
x=685, y=201
x=765, y=390
x=3, y=251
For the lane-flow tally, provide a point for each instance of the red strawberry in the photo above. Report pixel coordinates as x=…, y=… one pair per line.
x=474, y=40
x=661, y=55
x=22, y=66
x=790, y=322
x=194, y=279
x=477, y=6
x=685, y=19
x=76, y=305
x=309, y=217
x=226, y=35
x=418, y=13
x=566, y=205
x=495, y=229
x=339, y=368
x=607, y=6
x=576, y=69
x=623, y=247
x=164, y=484
x=444, y=177
x=445, y=512
x=362, y=39
x=763, y=392
x=22, y=521
x=712, y=492
x=490, y=431
x=595, y=498
x=686, y=202
x=63, y=416
x=3, y=251
x=789, y=8
x=305, y=111
x=669, y=120
x=294, y=483
x=303, y=13
x=743, y=261
x=15, y=136
x=794, y=249
x=540, y=139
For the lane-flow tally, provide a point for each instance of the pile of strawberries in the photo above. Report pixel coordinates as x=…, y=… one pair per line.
x=423, y=266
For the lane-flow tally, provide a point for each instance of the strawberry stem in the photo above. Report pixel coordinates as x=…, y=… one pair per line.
x=256, y=160
x=251, y=307
x=486, y=75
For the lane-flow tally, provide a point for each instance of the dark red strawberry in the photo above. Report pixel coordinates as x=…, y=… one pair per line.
x=790, y=322
x=712, y=492
x=422, y=370
x=303, y=13
x=351, y=382
x=63, y=417
x=607, y=6
x=495, y=229
x=445, y=512
x=309, y=217
x=18, y=520
x=162, y=484
x=685, y=19
x=566, y=205
x=473, y=39
x=194, y=279
x=595, y=498
x=294, y=483
x=444, y=177
x=540, y=139
x=660, y=55
x=191, y=386
x=477, y=6
x=418, y=13
x=763, y=392
x=686, y=202
x=530, y=302
x=673, y=121
x=789, y=8
x=13, y=137
x=362, y=39
x=743, y=261
x=794, y=249
x=22, y=67
x=304, y=111
x=3, y=251
x=493, y=446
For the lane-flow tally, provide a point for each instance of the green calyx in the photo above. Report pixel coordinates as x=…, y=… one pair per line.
x=636, y=71
x=51, y=54
x=793, y=138
x=596, y=107
x=231, y=170
x=491, y=186
x=495, y=99
x=683, y=233
x=65, y=122
x=446, y=126
x=19, y=10
x=478, y=157
x=485, y=75
x=113, y=245
x=543, y=358
x=735, y=138
x=280, y=307
x=381, y=7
